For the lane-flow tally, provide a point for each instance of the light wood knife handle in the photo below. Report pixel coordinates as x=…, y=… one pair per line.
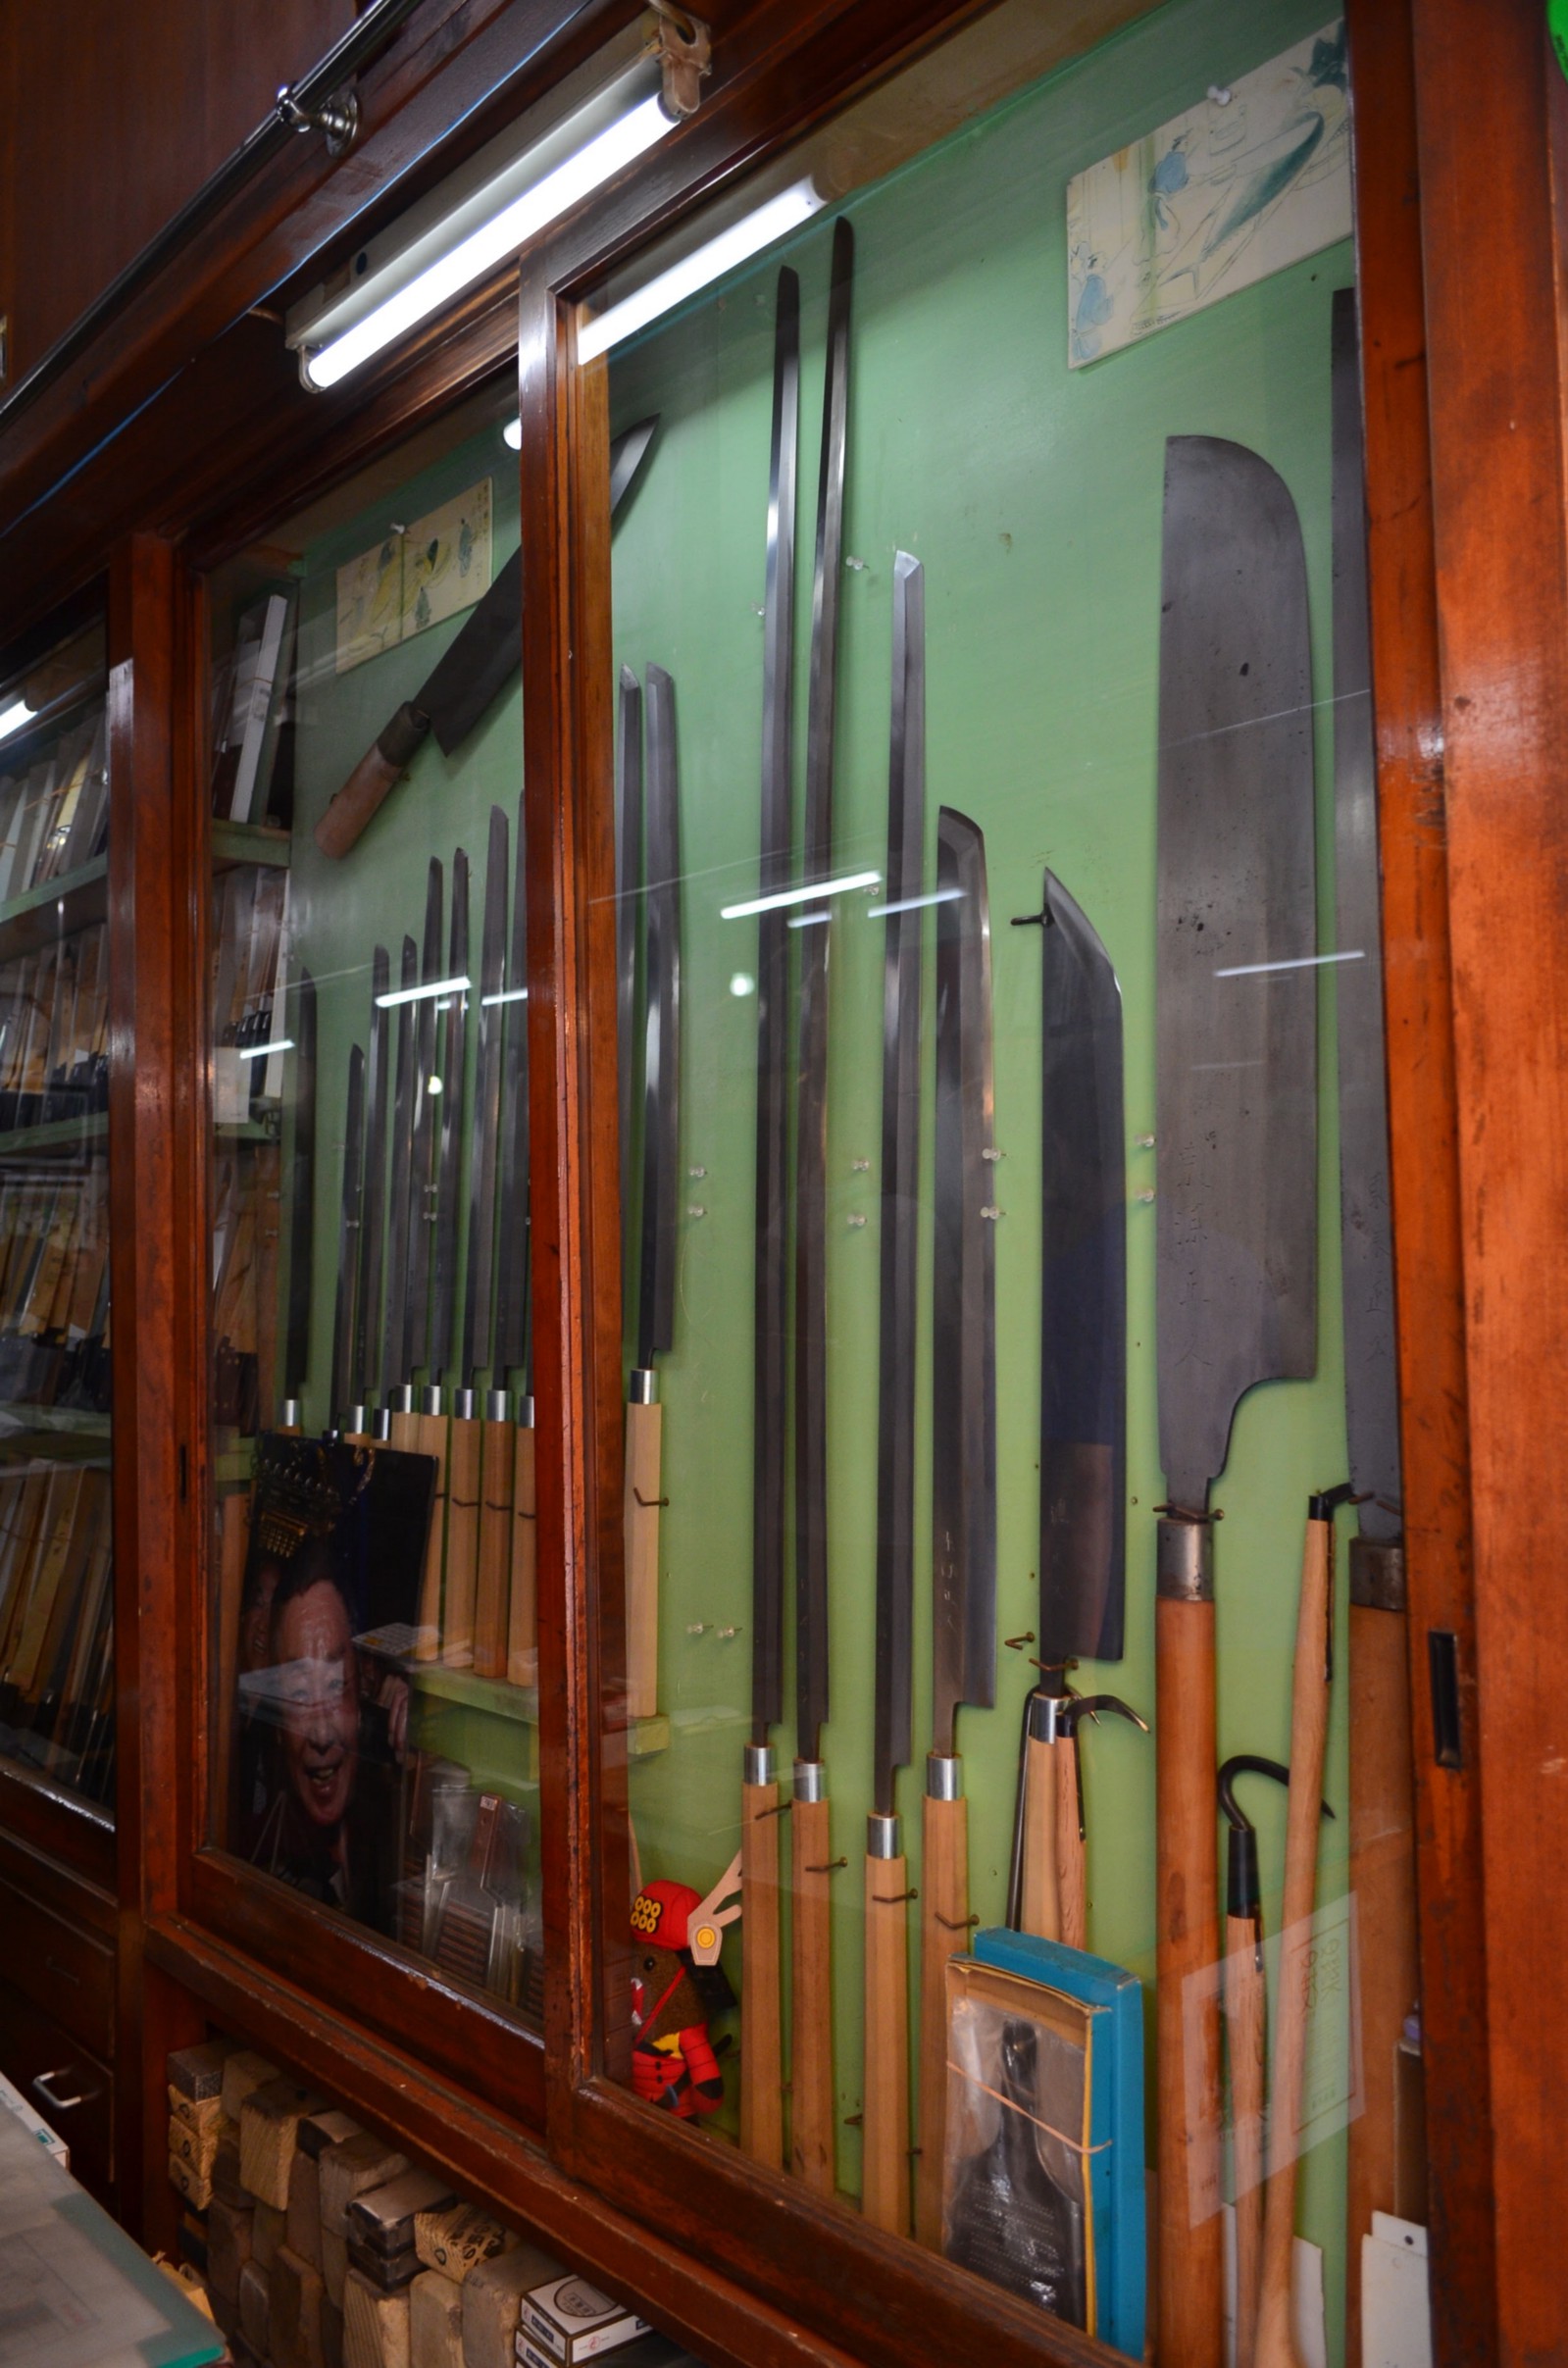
x=1190, y=2302
x=1244, y=2017
x=523, y=1618
x=644, y=1437
x=1072, y=1875
x=493, y=1591
x=943, y=1934
x=462, y=1540
x=761, y=2029
x=884, y=2124
x=811, y=2151
x=404, y=1431
x=1041, y=1910
x=380, y=769
x=1309, y=1727
x=433, y=1443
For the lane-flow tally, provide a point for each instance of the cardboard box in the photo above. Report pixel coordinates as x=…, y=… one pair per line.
x=572, y=2321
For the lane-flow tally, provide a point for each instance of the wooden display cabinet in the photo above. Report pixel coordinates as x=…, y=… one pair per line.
x=172, y=1935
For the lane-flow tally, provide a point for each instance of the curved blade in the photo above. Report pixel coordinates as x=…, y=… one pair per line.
x=661, y=1064
x=302, y=1210
x=1083, y=1415
x=1366, y=1241
x=962, y=1291
x=1236, y=988
x=628, y=899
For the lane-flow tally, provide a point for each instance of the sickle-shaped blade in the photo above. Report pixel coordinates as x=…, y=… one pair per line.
x=348, y=1231
x=1082, y=1419
x=302, y=1212
x=1236, y=985
x=964, y=1290
x=1366, y=1241
x=628, y=899
x=661, y=1060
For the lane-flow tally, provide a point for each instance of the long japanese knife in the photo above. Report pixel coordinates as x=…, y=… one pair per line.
x=473, y=673
x=426, y=1104
x=452, y=1011
x=761, y=2061
x=350, y=1199
x=627, y=900
x=1082, y=1419
x=514, y=1313
x=406, y=1339
x=661, y=1152
x=1382, y=1772
x=404, y=1212
x=302, y=1209
x=373, y=1212
x=1235, y=1223
x=884, y=2193
x=963, y=1448
x=812, y=2152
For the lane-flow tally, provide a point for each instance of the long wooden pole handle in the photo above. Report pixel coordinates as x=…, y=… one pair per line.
x=761, y=2029
x=884, y=2128
x=1072, y=1880
x=1244, y=2018
x=645, y=1440
x=378, y=771
x=812, y=2152
x=433, y=1443
x=462, y=1540
x=1309, y=1727
x=943, y=1934
x=522, y=1611
x=494, y=1587
x=1191, y=2297
x=1041, y=1910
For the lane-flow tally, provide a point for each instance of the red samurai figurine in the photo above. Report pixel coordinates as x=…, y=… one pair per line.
x=678, y=1984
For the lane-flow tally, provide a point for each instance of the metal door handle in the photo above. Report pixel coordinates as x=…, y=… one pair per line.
x=60, y=2104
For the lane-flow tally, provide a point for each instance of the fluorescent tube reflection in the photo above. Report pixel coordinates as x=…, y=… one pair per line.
x=817, y=887
x=737, y=245
x=13, y=718
x=418, y=994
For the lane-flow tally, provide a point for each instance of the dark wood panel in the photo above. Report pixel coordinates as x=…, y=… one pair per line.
x=54, y=1823
x=58, y=1887
x=61, y=1968
x=79, y=2098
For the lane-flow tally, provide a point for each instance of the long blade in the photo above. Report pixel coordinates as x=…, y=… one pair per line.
x=373, y=1211
x=302, y=1208
x=1235, y=1120
x=770, y=1418
x=477, y=1305
x=443, y=1306
x=348, y=1231
x=1366, y=1241
x=1082, y=1425
x=661, y=1056
x=628, y=887
x=964, y=1290
x=394, y=1350
x=426, y=1105
x=512, y=1279
x=488, y=650
x=811, y=1089
x=900, y=1184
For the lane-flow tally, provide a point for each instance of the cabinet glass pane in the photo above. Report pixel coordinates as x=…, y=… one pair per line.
x=57, y=1706
x=376, y=1663
x=1001, y=996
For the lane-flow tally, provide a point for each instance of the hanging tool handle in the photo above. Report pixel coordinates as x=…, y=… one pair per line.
x=463, y=1453
x=761, y=2027
x=494, y=1587
x=943, y=1934
x=523, y=1603
x=812, y=2152
x=884, y=2126
x=1246, y=2017
x=645, y=1454
x=433, y=1443
x=378, y=772
x=1309, y=1729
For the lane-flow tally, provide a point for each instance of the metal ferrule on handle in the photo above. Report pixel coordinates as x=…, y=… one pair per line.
x=811, y=1779
x=944, y=1776
x=882, y=1836
x=643, y=1387
x=1184, y=1567
x=524, y=1411
x=1376, y=1575
x=759, y=1764
x=462, y=1405
x=289, y=1417
x=498, y=1406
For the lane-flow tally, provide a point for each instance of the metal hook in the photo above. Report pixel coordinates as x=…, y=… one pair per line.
x=1241, y=1889
x=336, y=117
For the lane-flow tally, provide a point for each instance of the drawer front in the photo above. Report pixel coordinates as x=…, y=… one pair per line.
x=67, y=2085
x=68, y=1971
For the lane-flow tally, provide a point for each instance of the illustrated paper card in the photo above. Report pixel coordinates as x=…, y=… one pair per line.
x=414, y=576
x=1255, y=177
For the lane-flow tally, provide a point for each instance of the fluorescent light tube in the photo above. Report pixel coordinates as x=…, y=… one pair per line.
x=818, y=887
x=490, y=243
x=13, y=718
x=513, y=994
x=512, y=434
x=744, y=239
x=416, y=994
x=259, y=1052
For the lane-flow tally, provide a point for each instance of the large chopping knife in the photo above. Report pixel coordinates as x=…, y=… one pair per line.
x=761, y=2059
x=885, y=2142
x=373, y=1212
x=1083, y=1415
x=475, y=671
x=1235, y=1128
x=447, y=1157
x=351, y=1193
x=963, y=1450
x=514, y=1314
x=628, y=899
x=302, y=1209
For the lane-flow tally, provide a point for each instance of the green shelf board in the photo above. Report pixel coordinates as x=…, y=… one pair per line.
x=248, y=842
x=53, y=1421
x=519, y=1703
x=55, y=908
x=61, y=1135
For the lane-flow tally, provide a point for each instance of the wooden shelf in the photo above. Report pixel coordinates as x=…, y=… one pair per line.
x=56, y=908
x=267, y=1129
x=60, y=1136
x=51, y=1422
x=248, y=842
x=521, y=1703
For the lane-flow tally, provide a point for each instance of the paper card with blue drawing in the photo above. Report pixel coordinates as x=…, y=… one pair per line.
x=1256, y=177
x=414, y=576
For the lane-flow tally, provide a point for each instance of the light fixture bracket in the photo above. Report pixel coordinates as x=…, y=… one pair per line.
x=336, y=117
x=684, y=51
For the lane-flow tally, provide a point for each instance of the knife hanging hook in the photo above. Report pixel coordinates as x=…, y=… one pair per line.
x=1017, y=1643
x=336, y=117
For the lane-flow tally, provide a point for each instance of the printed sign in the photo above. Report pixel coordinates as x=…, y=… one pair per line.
x=414, y=576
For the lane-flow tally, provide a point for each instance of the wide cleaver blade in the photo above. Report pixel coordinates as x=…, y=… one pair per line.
x=1235, y=1124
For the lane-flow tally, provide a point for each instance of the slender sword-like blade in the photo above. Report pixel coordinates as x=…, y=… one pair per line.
x=1082, y=1411
x=454, y=1044
x=811, y=1086
x=964, y=1291
x=394, y=1348
x=426, y=1105
x=627, y=900
x=512, y=1251
x=302, y=1208
x=478, y=1306
x=1366, y=1239
x=1235, y=1002
x=661, y=1057
x=769, y=1417
x=900, y=1184
x=627, y=452
x=374, y=1210
x=348, y=1231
